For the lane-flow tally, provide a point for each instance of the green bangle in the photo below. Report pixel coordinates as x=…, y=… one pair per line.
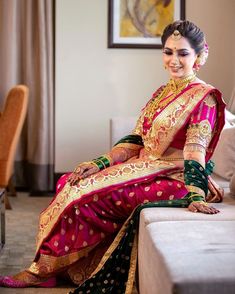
x=192, y=197
x=102, y=162
x=99, y=163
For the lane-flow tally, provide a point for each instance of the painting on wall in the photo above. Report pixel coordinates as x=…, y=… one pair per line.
x=140, y=23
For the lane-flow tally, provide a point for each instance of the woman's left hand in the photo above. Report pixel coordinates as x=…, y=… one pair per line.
x=202, y=207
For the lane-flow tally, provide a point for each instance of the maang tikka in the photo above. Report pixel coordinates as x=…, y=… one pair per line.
x=176, y=35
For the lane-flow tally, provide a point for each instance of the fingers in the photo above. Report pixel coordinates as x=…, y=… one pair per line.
x=82, y=172
x=89, y=172
x=74, y=179
x=202, y=207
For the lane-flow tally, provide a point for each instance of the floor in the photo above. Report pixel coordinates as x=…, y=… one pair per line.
x=21, y=223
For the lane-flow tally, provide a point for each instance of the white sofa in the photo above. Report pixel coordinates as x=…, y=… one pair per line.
x=182, y=252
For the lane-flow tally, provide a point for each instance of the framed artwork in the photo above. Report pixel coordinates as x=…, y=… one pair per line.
x=140, y=23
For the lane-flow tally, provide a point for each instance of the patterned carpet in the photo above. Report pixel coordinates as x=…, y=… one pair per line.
x=21, y=226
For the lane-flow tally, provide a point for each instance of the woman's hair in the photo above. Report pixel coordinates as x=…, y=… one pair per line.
x=188, y=30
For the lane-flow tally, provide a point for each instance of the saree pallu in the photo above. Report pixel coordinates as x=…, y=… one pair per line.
x=72, y=230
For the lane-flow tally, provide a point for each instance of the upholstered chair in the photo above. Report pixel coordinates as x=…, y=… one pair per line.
x=11, y=122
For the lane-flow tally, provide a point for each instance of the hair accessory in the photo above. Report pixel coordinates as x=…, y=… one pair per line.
x=176, y=35
x=202, y=57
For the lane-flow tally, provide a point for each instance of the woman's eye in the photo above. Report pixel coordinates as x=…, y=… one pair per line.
x=167, y=52
x=183, y=54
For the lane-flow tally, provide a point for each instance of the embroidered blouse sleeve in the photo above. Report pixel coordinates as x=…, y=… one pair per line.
x=199, y=130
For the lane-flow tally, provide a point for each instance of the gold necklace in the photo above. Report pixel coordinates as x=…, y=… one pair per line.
x=174, y=86
x=164, y=97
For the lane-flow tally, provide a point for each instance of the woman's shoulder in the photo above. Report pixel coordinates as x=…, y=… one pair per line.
x=198, y=83
x=208, y=91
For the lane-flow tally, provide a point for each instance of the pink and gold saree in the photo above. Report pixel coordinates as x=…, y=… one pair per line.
x=81, y=229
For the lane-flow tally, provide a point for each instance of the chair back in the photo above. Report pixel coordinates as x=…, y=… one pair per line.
x=11, y=122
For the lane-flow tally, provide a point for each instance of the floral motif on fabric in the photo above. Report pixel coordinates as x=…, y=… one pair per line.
x=120, y=174
x=199, y=133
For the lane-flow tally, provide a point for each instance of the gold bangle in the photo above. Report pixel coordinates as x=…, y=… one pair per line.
x=201, y=202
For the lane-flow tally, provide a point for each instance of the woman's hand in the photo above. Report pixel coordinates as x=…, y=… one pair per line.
x=82, y=171
x=202, y=207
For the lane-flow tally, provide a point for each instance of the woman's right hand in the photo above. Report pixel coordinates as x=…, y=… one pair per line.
x=202, y=207
x=82, y=171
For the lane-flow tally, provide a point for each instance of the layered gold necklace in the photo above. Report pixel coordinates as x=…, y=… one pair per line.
x=168, y=93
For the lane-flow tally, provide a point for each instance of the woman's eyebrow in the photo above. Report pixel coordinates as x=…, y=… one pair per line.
x=178, y=50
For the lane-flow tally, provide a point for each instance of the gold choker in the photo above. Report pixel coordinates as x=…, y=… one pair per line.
x=166, y=95
x=176, y=85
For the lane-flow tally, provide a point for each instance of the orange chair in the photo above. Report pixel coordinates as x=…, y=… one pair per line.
x=11, y=122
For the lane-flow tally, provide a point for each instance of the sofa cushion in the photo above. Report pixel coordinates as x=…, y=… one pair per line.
x=224, y=154
x=159, y=214
x=187, y=257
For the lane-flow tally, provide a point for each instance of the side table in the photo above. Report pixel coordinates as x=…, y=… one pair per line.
x=2, y=218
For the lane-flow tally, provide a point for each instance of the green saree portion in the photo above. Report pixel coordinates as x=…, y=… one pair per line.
x=132, y=139
x=116, y=271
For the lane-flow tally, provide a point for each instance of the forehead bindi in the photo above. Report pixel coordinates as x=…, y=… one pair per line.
x=180, y=44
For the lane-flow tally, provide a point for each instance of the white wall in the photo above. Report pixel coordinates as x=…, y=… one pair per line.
x=94, y=83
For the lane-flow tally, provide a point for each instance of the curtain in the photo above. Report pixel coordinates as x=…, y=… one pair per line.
x=27, y=57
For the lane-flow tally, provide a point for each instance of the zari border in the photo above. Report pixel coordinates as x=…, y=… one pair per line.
x=133, y=264
x=164, y=127
x=128, y=146
x=48, y=264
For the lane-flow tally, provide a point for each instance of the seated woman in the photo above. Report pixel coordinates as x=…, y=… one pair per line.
x=164, y=162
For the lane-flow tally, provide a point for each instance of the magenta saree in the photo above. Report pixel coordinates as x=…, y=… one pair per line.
x=83, y=220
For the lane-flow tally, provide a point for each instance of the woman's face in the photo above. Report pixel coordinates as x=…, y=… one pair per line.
x=178, y=57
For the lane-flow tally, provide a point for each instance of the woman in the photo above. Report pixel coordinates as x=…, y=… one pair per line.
x=165, y=161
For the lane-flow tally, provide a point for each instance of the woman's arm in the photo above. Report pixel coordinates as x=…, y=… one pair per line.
x=198, y=137
x=126, y=148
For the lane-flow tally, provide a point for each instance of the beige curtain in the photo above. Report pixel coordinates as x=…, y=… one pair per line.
x=27, y=57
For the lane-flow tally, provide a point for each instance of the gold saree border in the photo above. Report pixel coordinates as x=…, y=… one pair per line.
x=115, y=175
x=173, y=117
x=133, y=264
x=48, y=264
x=131, y=146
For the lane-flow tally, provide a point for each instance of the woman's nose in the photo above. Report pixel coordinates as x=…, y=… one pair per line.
x=175, y=59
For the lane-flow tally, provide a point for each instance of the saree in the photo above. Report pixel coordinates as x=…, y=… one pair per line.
x=86, y=226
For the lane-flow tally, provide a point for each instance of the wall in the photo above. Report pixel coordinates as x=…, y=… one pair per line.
x=216, y=19
x=94, y=83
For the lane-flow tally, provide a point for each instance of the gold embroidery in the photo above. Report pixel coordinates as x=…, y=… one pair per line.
x=127, y=146
x=132, y=269
x=48, y=263
x=164, y=97
x=172, y=119
x=199, y=133
x=117, y=174
x=195, y=189
x=194, y=148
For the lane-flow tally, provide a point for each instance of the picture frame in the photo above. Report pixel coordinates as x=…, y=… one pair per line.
x=139, y=24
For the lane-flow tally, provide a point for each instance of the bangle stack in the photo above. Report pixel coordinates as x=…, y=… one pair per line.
x=102, y=162
x=195, y=197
